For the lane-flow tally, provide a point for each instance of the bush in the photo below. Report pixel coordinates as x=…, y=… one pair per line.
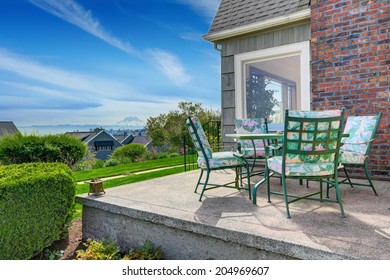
x=146, y=252
x=129, y=153
x=107, y=250
x=88, y=162
x=99, y=250
x=110, y=162
x=36, y=206
x=153, y=154
x=64, y=148
x=173, y=155
x=98, y=164
x=163, y=155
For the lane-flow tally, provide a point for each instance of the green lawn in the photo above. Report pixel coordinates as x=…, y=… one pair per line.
x=83, y=188
x=127, y=169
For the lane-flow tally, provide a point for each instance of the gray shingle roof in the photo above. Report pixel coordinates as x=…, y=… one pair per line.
x=144, y=140
x=236, y=13
x=83, y=135
x=7, y=128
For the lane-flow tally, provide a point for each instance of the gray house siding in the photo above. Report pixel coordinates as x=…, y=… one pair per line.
x=267, y=39
x=103, y=154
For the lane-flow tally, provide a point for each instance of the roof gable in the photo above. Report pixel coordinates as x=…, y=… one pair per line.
x=232, y=13
x=88, y=136
x=89, y=139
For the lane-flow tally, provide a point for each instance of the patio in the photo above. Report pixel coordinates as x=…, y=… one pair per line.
x=226, y=225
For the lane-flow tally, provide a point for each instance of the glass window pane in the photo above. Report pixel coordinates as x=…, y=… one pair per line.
x=271, y=87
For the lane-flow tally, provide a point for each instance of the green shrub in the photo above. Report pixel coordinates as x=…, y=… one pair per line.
x=36, y=204
x=107, y=250
x=99, y=250
x=146, y=252
x=152, y=154
x=20, y=148
x=163, y=155
x=88, y=162
x=173, y=155
x=129, y=153
x=110, y=162
x=98, y=164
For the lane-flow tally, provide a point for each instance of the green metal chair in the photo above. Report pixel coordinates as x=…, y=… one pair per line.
x=356, y=147
x=311, y=145
x=252, y=149
x=209, y=160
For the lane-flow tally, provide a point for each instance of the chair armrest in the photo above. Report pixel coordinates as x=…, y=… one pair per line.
x=270, y=149
x=358, y=143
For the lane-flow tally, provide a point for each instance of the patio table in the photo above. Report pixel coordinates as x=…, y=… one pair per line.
x=257, y=136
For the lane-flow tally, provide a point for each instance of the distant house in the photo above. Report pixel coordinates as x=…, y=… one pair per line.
x=124, y=139
x=139, y=138
x=144, y=140
x=311, y=55
x=99, y=142
x=7, y=128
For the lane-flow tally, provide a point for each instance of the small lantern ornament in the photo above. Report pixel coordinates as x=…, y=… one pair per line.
x=96, y=186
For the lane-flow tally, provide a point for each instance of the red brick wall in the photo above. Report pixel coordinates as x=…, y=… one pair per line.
x=350, y=65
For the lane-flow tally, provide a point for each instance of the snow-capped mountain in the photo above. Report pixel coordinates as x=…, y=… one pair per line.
x=131, y=121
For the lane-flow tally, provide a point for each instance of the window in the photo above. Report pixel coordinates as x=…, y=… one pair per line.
x=103, y=148
x=272, y=80
x=104, y=145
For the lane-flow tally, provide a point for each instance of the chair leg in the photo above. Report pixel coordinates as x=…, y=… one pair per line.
x=285, y=196
x=205, y=184
x=327, y=188
x=369, y=179
x=346, y=174
x=268, y=185
x=338, y=196
x=200, y=177
x=249, y=182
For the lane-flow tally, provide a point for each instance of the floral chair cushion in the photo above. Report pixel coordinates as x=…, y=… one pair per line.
x=220, y=159
x=347, y=157
x=301, y=169
x=202, y=136
x=361, y=130
x=308, y=132
x=248, y=126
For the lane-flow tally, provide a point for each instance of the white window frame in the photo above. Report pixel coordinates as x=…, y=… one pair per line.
x=241, y=60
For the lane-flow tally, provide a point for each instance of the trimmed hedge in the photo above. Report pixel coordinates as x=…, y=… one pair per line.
x=36, y=204
x=129, y=153
x=20, y=148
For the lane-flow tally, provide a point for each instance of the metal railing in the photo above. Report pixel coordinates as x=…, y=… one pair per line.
x=212, y=130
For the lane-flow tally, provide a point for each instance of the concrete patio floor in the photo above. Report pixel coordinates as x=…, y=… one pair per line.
x=315, y=231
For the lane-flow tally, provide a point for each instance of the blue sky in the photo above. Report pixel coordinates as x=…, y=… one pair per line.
x=99, y=61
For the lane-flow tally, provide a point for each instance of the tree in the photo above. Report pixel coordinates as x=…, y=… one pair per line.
x=166, y=130
x=260, y=100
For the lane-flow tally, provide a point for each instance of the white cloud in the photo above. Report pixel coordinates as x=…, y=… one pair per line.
x=170, y=65
x=57, y=81
x=192, y=36
x=55, y=76
x=51, y=95
x=74, y=13
x=207, y=8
